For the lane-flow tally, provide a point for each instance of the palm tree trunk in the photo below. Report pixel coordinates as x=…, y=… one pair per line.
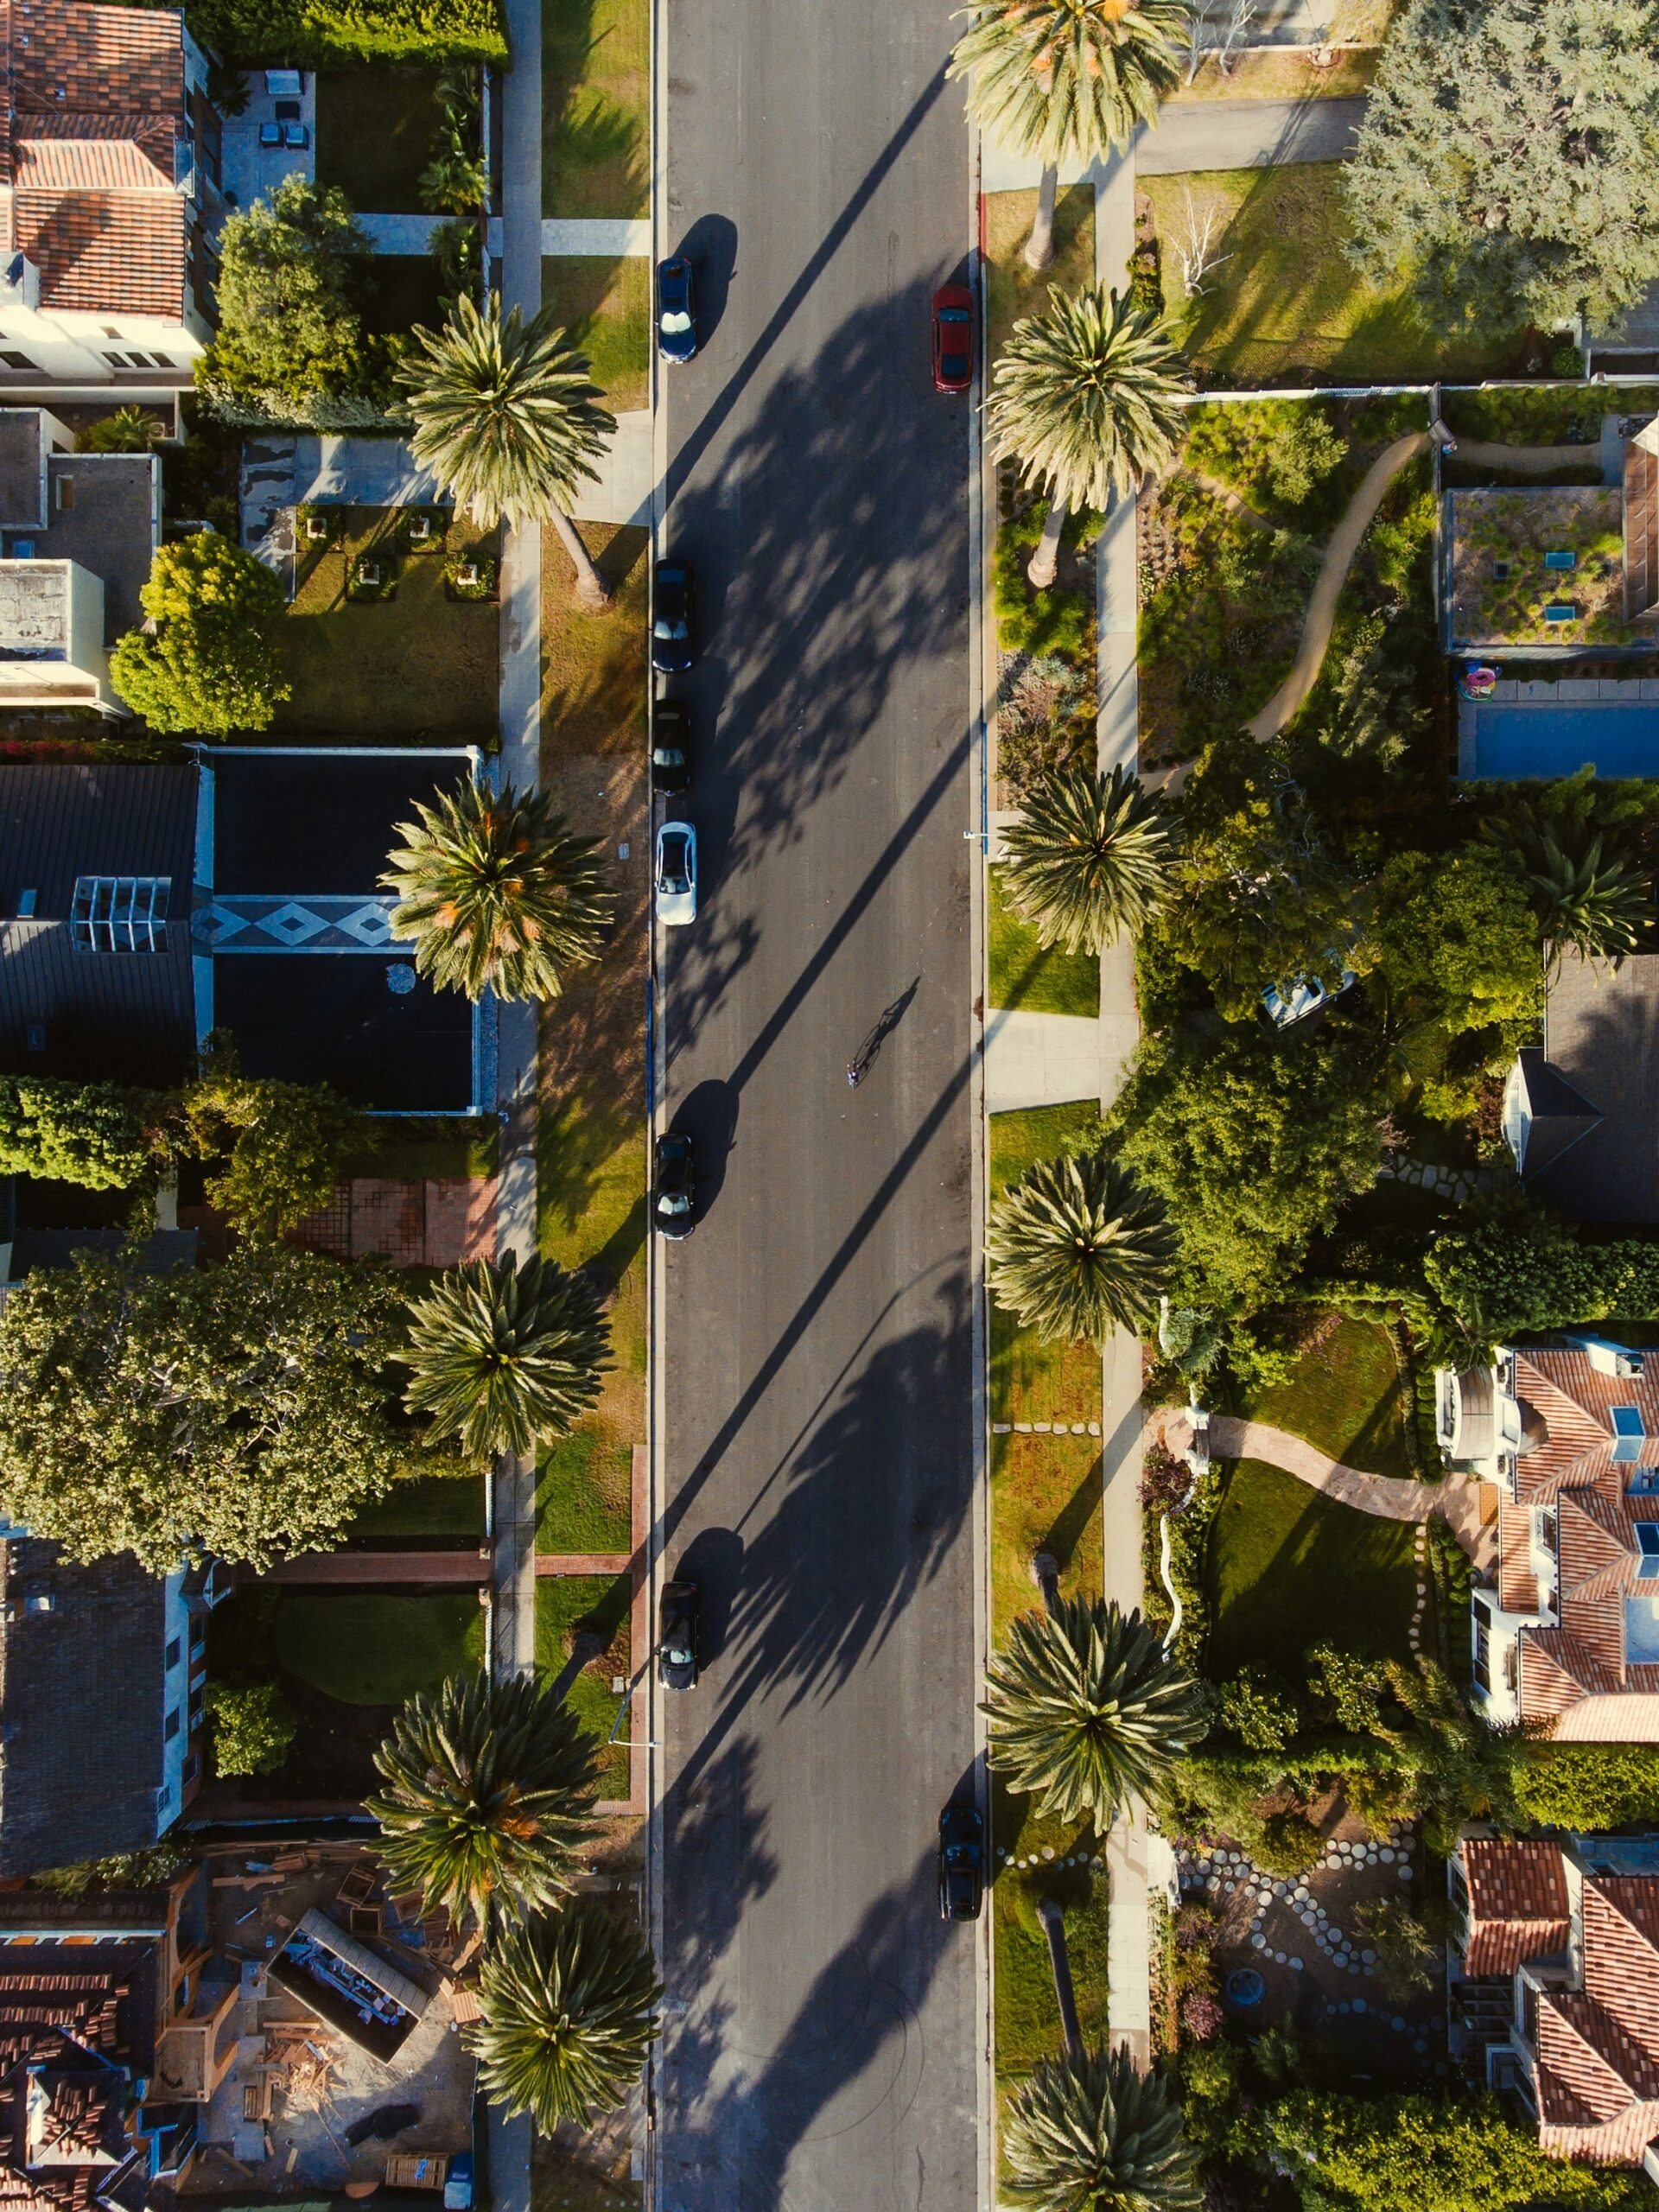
x=591, y=587
x=1065, y=1997
x=1039, y=246
x=1044, y=561
x=1045, y=1573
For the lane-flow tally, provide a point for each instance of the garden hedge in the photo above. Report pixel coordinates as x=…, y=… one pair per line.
x=317, y=32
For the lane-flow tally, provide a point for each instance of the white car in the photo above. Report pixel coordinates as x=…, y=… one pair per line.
x=676, y=874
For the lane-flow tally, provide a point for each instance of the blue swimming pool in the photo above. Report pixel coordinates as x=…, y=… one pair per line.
x=1515, y=740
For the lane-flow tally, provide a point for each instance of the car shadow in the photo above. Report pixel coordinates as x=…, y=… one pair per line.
x=713, y=1560
x=710, y=246
x=709, y=1116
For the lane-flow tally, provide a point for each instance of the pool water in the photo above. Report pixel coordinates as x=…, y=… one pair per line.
x=1547, y=740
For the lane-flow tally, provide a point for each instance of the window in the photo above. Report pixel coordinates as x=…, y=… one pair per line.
x=172, y=1727
x=1629, y=1435
x=120, y=913
x=139, y=360
x=173, y=1650
x=163, y=360
x=1647, y=1538
x=14, y=360
x=115, y=361
x=66, y=486
x=1644, y=1483
x=110, y=330
x=1483, y=1651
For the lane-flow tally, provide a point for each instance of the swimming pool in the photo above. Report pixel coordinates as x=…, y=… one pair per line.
x=1518, y=739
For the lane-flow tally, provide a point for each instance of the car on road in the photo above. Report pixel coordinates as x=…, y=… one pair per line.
x=676, y=875
x=674, y=1205
x=962, y=1862
x=677, y=309
x=953, y=337
x=670, y=746
x=672, y=647
x=676, y=1635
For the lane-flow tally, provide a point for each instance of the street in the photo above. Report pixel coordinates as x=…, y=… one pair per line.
x=823, y=2041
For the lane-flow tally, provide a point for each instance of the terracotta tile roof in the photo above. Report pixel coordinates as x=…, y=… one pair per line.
x=1517, y=1903
x=62, y=53
x=105, y=251
x=88, y=164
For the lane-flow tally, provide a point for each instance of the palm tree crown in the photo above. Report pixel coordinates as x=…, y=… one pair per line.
x=488, y=1787
x=1587, y=883
x=1085, y=397
x=1087, y=1708
x=568, y=2007
x=507, y=416
x=502, y=1355
x=497, y=891
x=1086, y=2133
x=1078, y=1247
x=1089, y=856
x=1069, y=80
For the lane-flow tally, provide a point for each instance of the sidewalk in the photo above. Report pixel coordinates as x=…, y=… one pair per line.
x=1039, y=1059
x=1193, y=134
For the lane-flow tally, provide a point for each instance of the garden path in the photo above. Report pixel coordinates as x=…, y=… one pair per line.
x=1040, y=1059
x=1457, y=1501
x=1333, y=573
x=1526, y=461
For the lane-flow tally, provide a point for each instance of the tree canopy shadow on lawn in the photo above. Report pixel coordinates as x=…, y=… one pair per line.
x=594, y=144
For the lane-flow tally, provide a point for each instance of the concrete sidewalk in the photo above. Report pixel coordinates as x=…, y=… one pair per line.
x=597, y=235
x=1193, y=134
x=1040, y=1059
x=627, y=474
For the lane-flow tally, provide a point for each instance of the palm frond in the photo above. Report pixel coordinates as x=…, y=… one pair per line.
x=1088, y=2133
x=501, y=1355
x=1063, y=80
x=568, y=2013
x=1089, y=857
x=1077, y=1248
x=1586, y=881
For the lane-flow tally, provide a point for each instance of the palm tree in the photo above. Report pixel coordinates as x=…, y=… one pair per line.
x=503, y=1354
x=498, y=893
x=1087, y=1708
x=1089, y=857
x=1078, y=1247
x=568, y=2005
x=1067, y=81
x=488, y=1790
x=1587, y=882
x=1086, y=400
x=508, y=418
x=1086, y=2132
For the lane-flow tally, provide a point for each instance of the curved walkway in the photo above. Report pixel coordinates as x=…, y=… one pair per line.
x=1333, y=573
x=1388, y=1498
x=1526, y=460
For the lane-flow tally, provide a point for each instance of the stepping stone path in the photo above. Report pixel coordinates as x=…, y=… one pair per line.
x=1044, y=1429
x=1420, y=1558
x=1223, y=1870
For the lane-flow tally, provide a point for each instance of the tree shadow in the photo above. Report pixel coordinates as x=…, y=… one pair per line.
x=1074, y=1517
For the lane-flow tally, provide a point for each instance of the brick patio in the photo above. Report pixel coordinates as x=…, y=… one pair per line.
x=437, y=1222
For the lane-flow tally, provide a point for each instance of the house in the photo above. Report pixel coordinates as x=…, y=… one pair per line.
x=1555, y=1984
x=1566, y=1633
x=144, y=908
x=109, y=170
x=1581, y=1113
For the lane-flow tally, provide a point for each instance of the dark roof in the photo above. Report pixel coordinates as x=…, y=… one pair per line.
x=1601, y=1040
x=1561, y=1114
x=21, y=485
x=128, y=1016
x=317, y=823
x=111, y=526
x=81, y=1706
x=335, y=1018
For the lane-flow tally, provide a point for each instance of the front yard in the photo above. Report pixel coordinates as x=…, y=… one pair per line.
x=595, y=108
x=1343, y=1395
x=1024, y=974
x=375, y=132
x=604, y=302
x=596, y=1607
x=415, y=662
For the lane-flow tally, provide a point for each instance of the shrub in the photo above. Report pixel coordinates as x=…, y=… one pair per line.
x=1057, y=622
x=284, y=1145
x=1256, y=1708
x=90, y=1133
x=253, y=1726
x=321, y=31
x=472, y=579
x=212, y=664
x=293, y=267
x=1288, y=1844
x=1202, y=2017
x=1587, y=1786
x=1276, y=452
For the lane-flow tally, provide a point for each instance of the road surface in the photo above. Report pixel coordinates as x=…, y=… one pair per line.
x=823, y=2043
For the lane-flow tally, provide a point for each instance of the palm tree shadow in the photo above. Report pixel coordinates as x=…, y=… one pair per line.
x=1075, y=1516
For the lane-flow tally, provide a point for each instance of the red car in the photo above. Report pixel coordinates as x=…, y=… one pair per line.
x=953, y=337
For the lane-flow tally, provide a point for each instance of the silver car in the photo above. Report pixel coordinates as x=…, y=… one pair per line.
x=676, y=874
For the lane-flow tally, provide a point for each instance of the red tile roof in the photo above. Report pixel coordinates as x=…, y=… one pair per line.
x=1517, y=1903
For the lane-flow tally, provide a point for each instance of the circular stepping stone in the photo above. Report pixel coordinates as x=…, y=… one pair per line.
x=1278, y=1888
x=1386, y=1855
x=1359, y=2003
x=1345, y=2006
x=1295, y=1965
x=1229, y=1886
x=1398, y=2023
x=1048, y=1851
x=1356, y=1967
x=1369, y=1957
x=1258, y=1941
x=1404, y=1872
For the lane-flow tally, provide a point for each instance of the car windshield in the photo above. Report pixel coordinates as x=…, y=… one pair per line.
x=673, y=1202
x=676, y=873
x=954, y=365
x=676, y=320
x=666, y=628
x=678, y=1655
x=953, y=314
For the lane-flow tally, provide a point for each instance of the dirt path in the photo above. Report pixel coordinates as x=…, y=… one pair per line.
x=1526, y=461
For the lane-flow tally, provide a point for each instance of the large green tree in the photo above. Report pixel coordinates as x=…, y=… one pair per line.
x=210, y=663
x=1087, y=1708
x=1091, y=856
x=509, y=419
x=1084, y=400
x=1067, y=81
x=502, y=1355
x=279, y=1147
x=242, y=1409
x=498, y=893
x=1507, y=166
x=1087, y=2132
x=489, y=1786
x=1077, y=1248
x=292, y=270
x=568, y=2004
x=87, y=1133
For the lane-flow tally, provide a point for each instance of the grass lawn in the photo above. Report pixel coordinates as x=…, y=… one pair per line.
x=595, y=107
x=1286, y=304
x=377, y=1647
x=1027, y=2023
x=571, y=1605
x=407, y=289
x=1011, y=288
x=1265, y=75
x=419, y=664
x=1344, y=1397
x=467, y=1148
x=425, y=1505
x=375, y=129
x=1020, y=1140
x=605, y=304
x=1289, y=1568
x=583, y=1496
x=1025, y=975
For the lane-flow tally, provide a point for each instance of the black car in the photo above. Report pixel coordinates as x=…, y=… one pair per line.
x=676, y=1185
x=962, y=1862
x=676, y=1635
x=670, y=746
x=677, y=309
x=671, y=649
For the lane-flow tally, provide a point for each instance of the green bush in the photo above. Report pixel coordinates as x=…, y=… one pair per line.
x=479, y=584
x=90, y=1133
x=1058, y=623
x=1274, y=452
x=283, y=1146
x=1588, y=1787
x=211, y=663
x=321, y=31
x=1288, y=1844
x=253, y=1726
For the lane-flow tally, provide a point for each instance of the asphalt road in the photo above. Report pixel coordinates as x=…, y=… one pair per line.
x=823, y=2044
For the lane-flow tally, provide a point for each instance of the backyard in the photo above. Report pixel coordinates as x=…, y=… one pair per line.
x=595, y=108
x=414, y=661
x=1539, y=567
x=1343, y=1394
x=375, y=131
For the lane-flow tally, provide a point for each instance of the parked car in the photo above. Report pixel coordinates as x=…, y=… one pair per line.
x=962, y=1862
x=673, y=649
x=677, y=309
x=670, y=746
x=953, y=337
x=676, y=1635
x=676, y=874
x=675, y=1202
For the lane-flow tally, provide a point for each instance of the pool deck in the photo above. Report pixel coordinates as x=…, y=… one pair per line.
x=1571, y=692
